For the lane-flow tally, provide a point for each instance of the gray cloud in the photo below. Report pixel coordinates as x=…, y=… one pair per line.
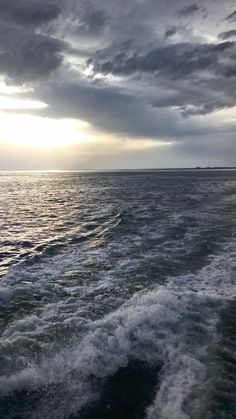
x=29, y=12
x=205, y=13
x=90, y=19
x=227, y=70
x=188, y=10
x=114, y=112
x=170, y=32
x=231, y=16
x=26, y=53
x=227, y=34
x=108, y=110
x=25, y=56
x=175, y=61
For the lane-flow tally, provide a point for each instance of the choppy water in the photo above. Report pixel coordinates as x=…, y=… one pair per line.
x=117, y=295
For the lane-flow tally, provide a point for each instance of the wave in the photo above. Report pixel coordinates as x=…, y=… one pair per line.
x=175, y=327
x=89, y=233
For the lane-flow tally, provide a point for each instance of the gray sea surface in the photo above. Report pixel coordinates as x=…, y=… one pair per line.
x=117, y=295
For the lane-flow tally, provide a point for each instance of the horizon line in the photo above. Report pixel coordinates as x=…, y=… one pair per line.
x=118, y=169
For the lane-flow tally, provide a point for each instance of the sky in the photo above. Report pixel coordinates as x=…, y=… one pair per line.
x=117, y=84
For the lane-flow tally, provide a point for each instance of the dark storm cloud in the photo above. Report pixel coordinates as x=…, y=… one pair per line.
x=25, y=56
x=29, y=12
x=174, y=61
x=231, y=16
x=227, y=34
x=189, y=10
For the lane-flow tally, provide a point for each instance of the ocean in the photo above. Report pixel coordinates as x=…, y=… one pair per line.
x=117, y=295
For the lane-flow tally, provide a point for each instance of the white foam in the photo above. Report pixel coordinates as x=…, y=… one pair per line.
x=149, y=327
x=173, y=325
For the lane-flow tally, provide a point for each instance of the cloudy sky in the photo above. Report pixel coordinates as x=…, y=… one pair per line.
x=93, y=84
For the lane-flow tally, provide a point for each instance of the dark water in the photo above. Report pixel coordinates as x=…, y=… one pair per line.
x=117, y=295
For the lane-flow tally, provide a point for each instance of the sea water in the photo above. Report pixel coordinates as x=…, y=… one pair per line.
x=117, y=295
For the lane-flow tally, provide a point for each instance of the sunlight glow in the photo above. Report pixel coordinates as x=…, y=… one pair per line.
x=20, y=128
x=144, y=144
x=8, y=103
x=41, y=132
